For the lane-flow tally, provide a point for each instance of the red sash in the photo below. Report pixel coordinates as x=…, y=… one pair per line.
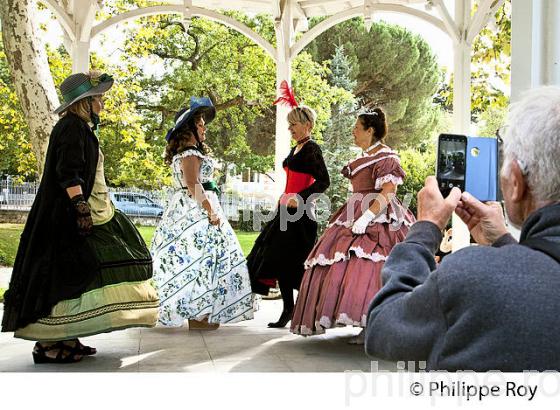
x=297, y=181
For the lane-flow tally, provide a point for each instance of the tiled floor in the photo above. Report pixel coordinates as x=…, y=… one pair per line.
x=245, y=347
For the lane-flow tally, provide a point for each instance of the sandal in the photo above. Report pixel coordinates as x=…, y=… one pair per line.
x=40, y=353
x=83, y=349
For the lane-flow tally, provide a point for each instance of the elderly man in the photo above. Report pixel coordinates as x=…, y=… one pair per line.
x=490, y=307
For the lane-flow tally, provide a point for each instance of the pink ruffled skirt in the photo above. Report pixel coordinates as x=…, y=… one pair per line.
x=343, y=271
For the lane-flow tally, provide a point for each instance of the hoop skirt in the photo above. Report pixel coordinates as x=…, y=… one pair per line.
x=343, y=271
x=282, y=246
x=199, y=269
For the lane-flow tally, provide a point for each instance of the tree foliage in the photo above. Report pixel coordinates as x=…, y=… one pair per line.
x=417, y=165
x=16, y=155
x=211, y=59
x=338, y=145
x=490, y=75
x=394, y=69
x=161, y=67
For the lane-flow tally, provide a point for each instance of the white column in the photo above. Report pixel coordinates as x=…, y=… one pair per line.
x=462, y=88
x=80, y=57
x=283, y=137
x=83, y=16
x=284, y=40
x=461, y=100
x=535, y=55
x=535, y=48
x=552, y=32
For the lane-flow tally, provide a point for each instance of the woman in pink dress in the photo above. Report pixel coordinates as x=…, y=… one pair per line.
x=343, y=271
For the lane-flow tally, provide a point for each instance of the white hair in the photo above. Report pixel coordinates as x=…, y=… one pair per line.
x=532, y=136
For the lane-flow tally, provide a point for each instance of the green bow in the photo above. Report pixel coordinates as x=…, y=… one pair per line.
x=103, y=78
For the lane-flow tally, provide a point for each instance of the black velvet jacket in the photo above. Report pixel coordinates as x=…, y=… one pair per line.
x=309, y=161
x=53, y=262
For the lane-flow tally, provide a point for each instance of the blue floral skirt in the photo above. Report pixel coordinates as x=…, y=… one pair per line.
x=199, y=269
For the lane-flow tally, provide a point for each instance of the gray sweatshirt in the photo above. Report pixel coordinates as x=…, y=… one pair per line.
x=483, y=308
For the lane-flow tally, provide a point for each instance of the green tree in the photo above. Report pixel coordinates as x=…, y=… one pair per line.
x=417, y=165
x=337, y=148
x=491, y=63
x=490, y=76
x=211, y=59
x=394, y=69
x=16, y=156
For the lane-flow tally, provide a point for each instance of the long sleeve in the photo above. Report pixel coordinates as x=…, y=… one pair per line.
x=318, y=169
x=70, y=156
x=405, y=319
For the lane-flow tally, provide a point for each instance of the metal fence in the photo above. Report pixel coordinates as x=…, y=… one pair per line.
x=20, y=196
x=17, y=196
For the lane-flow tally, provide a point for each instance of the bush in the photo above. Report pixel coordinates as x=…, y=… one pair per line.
x=417, y=165
x=246, y=224
x=3, y=258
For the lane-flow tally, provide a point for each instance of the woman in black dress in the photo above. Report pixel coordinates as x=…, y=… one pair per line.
x=82, y=267
x=283, y=245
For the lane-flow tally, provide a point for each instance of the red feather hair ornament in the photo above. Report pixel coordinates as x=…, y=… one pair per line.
x=286, y=95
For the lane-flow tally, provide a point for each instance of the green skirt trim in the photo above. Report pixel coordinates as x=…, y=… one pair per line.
x=121, y=252
x=101, y=310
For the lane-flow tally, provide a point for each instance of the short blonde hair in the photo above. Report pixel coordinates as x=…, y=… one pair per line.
x=303, y=114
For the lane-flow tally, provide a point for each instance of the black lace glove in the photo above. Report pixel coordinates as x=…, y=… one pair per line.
x=83, y=215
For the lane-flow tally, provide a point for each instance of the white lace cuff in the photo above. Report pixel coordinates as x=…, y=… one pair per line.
x=388, y=178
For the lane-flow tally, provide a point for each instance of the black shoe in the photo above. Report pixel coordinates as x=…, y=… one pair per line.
x=285, y=317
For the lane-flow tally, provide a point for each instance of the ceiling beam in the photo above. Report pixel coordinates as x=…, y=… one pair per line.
x=448, y=21
x=485, y=12
x=359, y=12
x=196, y=11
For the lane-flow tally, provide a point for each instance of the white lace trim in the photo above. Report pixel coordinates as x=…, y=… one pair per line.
x=344, y=319
x=372, y=162
x=325, y=322
x=374, y=257
x=322, y=260
x=347, y=224
x=381, y=219
x=305, y=331
x=382, y=151
x=388, y=178
x=189, y=153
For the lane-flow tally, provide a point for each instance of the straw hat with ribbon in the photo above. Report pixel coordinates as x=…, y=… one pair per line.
x=79, y=86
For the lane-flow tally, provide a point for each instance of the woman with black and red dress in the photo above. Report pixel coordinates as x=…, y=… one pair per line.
x=283, y=245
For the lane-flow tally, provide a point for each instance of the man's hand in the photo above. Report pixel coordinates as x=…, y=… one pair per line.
x=486, y=221
x=433, y=207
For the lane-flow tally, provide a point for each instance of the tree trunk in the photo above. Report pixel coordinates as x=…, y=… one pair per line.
x=30, y=71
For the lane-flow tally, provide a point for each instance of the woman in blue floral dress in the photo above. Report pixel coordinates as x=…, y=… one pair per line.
x=199, y=267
